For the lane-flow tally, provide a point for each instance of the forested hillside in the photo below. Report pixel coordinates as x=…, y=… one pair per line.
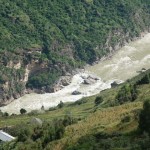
x=43, y=40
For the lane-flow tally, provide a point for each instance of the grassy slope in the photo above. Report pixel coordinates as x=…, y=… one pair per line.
x=106, y=119
x=86, y=110
x=79, y=111
x=92, y=119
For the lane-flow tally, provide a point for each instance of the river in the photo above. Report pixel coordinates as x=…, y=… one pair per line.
x=123, y=65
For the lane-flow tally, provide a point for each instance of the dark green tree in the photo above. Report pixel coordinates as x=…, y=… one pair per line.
x=144, y=118
x=145, y=79
x=22, y=111
x=5, y=114
x=128, y=92
x=24, y=134
x=98, y=100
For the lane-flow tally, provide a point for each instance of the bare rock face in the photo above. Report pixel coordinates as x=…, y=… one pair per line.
x=55, y=89
x=58, y=85
x=14, y=75
x=114, y=84
x=63, y=81
x=90, y=79
x=16, y=95
x=66, y=80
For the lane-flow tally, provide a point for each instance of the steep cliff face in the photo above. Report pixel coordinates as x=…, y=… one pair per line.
x=13, y=75
x=17, y=71
x=41, y=41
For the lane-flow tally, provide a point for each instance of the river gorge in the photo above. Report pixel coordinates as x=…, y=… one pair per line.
x=122, y=65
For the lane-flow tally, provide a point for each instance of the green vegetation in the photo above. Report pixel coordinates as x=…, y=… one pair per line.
x=127, y=93
x=98, y=100
x=68, y=34
x=43, y=79
x=144, y=122
x=37, y=137
x=54, y=37
x=22, y=111
x=110, y=126
x=145, y=79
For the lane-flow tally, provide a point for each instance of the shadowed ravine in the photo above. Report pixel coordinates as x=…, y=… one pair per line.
x=123, y=65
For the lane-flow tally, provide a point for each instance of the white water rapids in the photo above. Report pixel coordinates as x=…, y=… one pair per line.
x=123, y=65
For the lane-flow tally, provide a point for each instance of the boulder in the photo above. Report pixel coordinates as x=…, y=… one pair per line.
x=76, y=93
x=16, y=95
x=114, y=84
x=36, y=121
x=89, y=81
x=65, y=82
x=93, y=77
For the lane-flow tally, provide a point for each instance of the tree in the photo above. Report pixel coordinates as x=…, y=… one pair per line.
x=98, y=100
x=144, y=118
x=22, y=111
x=5, y=114
x=127, y=92
x=24, y=134
x=144, y=80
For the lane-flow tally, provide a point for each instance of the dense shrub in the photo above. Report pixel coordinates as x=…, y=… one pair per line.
x=22, y=111
x=37, y=137
x=79, y=102
x=104, y=141
x=5, y=114
x=144, y=119
x=145, y=79
x=127, y=93
x=126, y=119
x=98, y=100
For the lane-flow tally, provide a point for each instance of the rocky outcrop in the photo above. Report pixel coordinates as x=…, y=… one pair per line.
x=17, y=68
x=90, y=79
x=64, y=80
x=114, y=84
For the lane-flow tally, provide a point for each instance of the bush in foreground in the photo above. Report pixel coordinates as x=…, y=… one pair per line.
x=144, y=118
x=22, y=111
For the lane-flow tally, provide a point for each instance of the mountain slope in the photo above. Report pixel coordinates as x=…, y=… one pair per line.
x=85, y=124
x=41, y=41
